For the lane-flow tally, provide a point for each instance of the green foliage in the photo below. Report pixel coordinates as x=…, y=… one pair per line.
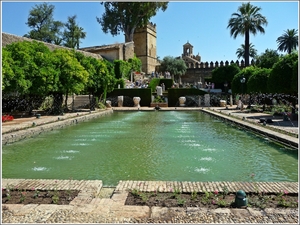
x=294, y=80
x=236, y=85
x=122, y=69
x=240, y=52
x=267, y=59
x=135, y=64
x=73, y=33
x=32, y=70
x=258, y=81
x=7, y=71
x=72, y=75
x=159, y=99
x=194, y=195
x=225, y=73
x=153, y=83
x=43, y=26
x=288, y=41
x=127, y=16
x=246, y=20
x=174, y=65
x=281, y=75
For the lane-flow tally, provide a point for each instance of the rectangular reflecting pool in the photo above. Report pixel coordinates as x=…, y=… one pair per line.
x=156, y=145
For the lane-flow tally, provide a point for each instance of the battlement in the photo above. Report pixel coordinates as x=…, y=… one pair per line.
x=151, y=26
x=212, y=65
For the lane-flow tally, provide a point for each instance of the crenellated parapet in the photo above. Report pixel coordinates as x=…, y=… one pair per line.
x=151, y=26
x=212, y=65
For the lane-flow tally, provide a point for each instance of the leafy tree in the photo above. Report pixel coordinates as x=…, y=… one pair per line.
x=176, y=66
x=288, y=41
x=240, y=52
x=267, y=59
x=72, y=77
x=280, y=79
x=247, y=20
x=223, y=74
x=128, y=16
x=236, y=85
x=33, y=73
x=73, y=33
x=110, y=81
x=7, y=71
x=258, y=81
x=294, y=81
x=44, y=27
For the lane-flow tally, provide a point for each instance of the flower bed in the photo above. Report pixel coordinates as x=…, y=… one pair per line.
x=7, y=118
x=211, y=200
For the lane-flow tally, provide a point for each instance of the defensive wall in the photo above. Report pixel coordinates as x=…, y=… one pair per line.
x=198, y=72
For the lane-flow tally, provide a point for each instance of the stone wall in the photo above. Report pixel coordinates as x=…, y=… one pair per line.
x=10, y=38
x=199, y=71
x=122, y=51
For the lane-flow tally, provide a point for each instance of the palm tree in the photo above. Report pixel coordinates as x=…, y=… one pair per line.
x=247, y=20
x=240, y=52
x=288, y=41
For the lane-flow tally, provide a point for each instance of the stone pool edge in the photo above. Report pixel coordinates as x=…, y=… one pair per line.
x=29, y=130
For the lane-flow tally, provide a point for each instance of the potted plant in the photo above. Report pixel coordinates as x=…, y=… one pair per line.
x=159, y=101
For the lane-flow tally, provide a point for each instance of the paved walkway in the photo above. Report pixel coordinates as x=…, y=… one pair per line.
x=112, y=209
x=88, y=208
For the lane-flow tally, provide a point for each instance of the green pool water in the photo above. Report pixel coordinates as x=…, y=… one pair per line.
x=157, y=145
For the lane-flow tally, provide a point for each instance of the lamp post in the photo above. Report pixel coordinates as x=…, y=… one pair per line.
x=225, y=87
x=243, y=80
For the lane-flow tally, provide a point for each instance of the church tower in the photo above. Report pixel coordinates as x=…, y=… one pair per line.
x=145, y=47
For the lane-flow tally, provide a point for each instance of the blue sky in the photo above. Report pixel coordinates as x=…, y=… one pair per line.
x=202, y=23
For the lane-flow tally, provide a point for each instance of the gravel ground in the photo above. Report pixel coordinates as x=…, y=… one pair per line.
x=69, y=216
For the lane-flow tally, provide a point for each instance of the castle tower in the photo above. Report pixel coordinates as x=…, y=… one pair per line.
x=145, y=47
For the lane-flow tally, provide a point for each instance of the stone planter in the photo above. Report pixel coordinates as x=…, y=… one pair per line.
x=222, y=103
x=120, y=101
x=182, y=101
x=136, y=101
x=108, y=104
x=38, y=116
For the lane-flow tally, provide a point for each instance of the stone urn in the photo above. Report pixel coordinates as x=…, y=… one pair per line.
x=120, y=101
x=136, y=101
x=108, y=104
x=182, y=101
